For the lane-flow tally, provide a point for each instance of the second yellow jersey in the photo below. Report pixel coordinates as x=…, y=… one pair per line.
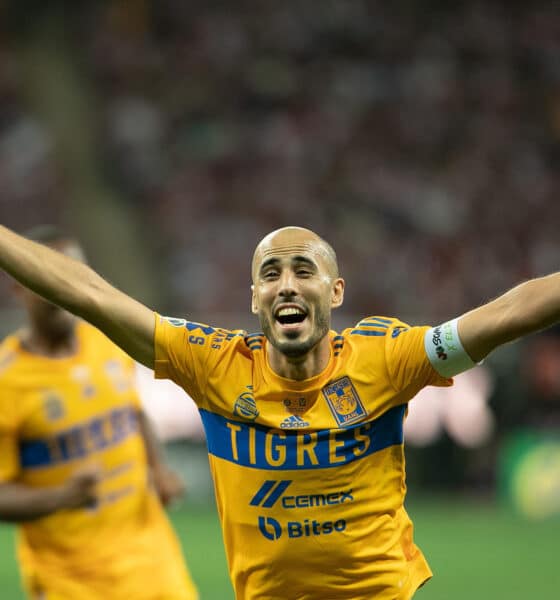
x=57, y=415
x=309, y=475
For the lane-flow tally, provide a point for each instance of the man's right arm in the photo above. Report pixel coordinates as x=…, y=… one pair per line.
x=20, y=502
x=77, y=288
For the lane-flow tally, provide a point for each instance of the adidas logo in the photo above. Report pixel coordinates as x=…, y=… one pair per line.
x=293, y=422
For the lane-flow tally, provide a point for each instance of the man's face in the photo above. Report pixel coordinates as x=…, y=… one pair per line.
x=295, y=288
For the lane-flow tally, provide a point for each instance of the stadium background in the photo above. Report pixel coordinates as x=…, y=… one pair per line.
x=420, y=138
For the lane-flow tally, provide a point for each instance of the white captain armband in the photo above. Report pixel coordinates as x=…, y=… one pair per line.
x=445, y=351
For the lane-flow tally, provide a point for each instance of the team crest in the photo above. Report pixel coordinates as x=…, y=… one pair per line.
x=344, y=402
x=245, y=406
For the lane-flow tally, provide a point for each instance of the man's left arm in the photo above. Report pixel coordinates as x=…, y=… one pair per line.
x=528, y=307
x=168, y=485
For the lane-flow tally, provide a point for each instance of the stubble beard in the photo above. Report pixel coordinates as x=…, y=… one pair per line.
x=294, y=348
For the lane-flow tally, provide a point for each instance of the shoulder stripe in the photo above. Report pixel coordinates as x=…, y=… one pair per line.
x=366, y=324
x=379, y=319
x=368, y=332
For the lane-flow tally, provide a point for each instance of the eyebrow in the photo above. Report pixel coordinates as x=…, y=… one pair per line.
x=273, y=261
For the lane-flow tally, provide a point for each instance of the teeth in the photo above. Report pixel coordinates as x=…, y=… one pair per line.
x=286, y=312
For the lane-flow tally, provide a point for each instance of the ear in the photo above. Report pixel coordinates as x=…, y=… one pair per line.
x=337, y=296
x=254, y=305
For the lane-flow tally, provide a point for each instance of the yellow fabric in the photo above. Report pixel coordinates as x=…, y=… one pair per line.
x=309, y=475
x=57, y=415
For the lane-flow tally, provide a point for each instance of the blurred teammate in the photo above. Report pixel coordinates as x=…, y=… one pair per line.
x=304, y=424
x=76, y=457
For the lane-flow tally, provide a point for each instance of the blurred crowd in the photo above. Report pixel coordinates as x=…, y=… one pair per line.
x=420, y=138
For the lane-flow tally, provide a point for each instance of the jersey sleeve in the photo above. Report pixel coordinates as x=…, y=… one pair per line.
x=408, y=367
x=184, y=353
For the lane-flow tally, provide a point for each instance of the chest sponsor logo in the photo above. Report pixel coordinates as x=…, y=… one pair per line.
x=344, y=402
x=273, y=492
x=256, y=445
x=245, y=405
x=101, y=433
x=272, y=530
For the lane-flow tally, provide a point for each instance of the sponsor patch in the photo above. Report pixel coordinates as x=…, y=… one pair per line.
x=296, y=406
x=245, y=406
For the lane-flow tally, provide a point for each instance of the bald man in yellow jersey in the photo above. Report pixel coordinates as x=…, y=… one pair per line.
x=76, y=455
x=304, y=424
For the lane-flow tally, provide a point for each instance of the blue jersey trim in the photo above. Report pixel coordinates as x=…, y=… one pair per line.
x=371, y=324
x=98, y=434
x=381, y=319
x=259, y=447
x=367, y=332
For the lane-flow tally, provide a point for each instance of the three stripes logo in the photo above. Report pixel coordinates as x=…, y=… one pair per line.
x=293, y=422
x=270, y=492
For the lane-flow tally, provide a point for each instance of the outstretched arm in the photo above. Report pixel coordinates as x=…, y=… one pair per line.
x=529, y=307
x=77, y=288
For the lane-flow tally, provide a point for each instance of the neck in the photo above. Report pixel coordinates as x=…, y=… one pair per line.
x=48, y=344
x=300, y=367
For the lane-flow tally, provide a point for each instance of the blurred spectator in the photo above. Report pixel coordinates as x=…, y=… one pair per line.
x=421, y=139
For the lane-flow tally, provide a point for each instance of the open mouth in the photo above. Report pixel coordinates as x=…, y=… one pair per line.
x=291, y=315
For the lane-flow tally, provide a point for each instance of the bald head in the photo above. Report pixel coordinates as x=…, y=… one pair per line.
x=295, y=240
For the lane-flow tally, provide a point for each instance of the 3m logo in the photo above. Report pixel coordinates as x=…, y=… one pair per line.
x=270, y=528
x=269, y=493
x=294, y=422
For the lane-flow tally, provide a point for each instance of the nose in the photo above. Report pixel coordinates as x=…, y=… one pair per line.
x=287, y=283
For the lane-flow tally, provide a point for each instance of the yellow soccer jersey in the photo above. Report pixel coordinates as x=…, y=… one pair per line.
x=56, y=415
x=309, y=475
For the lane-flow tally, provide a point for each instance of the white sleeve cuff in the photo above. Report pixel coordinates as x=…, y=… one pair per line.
x=445, y=351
